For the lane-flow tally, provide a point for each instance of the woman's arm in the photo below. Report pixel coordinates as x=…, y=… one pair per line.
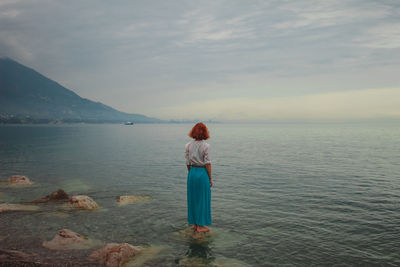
x=188, y=167
x=208, y=167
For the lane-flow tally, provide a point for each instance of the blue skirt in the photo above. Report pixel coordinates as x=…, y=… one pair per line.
x=198, y=196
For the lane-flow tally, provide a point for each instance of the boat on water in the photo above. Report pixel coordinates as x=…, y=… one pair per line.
x=128, y=123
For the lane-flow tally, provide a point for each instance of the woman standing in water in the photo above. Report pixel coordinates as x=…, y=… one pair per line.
x=199, y=180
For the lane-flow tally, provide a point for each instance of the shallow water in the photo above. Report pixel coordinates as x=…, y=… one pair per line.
x=284, y=194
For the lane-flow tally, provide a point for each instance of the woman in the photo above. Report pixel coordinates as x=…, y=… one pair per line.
x=199, y=180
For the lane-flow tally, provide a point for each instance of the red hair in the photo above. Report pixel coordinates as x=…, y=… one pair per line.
x=199, y=132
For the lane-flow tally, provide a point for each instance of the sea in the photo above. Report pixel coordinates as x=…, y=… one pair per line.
x=284, y=194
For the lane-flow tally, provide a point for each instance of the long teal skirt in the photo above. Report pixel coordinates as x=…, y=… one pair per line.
x=198, y=196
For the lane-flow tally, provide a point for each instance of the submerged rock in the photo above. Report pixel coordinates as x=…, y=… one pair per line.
x=15, y=255
x=190, y=233
x=83, y=202
x=55, y=196
x=66, y=239
x=220, y=238
x=17, y=207
x=19, y=180
x=115, y=255
x=75, y=185
x=124, y=200
x=147, y=255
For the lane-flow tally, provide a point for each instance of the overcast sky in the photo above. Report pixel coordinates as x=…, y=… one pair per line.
x=221, y=60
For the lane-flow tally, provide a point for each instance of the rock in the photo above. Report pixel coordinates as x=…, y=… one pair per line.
x=124, y=200
x=19, y=180
x=199, y=237
x=83, y=202
x=17, y=207
x=66, y=239
x=15, y=255
x=148, y=255
x=55, y=196
x=115, y=255
x=220, y=238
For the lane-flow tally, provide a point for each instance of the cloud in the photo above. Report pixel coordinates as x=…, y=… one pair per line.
x=139, y=56
x=328, y=13
x=203, y=24
x=12, y=47
x=9, y=13
x=357, y=104
x=8, y=2
x=386, y=36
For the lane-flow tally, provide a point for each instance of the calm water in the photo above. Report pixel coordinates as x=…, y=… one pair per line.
x=284, y=194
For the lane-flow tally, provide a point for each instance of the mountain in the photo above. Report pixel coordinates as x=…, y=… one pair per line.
x=26, y=96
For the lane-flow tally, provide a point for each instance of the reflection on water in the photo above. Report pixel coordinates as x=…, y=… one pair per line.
x=201, y=250
x=200, y=247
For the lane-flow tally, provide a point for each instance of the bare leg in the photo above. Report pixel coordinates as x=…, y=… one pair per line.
x=195, y=227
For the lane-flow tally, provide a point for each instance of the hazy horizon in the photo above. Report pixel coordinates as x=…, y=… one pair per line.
x=219, y=60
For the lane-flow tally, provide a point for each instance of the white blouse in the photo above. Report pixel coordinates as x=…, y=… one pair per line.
x=197, y=153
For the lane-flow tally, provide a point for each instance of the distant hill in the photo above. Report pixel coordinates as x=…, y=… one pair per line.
x=26, y=96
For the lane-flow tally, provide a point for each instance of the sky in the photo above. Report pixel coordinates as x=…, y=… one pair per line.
x=216, y=60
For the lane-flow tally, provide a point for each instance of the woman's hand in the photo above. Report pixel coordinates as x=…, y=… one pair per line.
x=211, y=183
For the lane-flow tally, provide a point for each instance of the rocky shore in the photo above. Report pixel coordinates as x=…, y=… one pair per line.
x=103, y=254
x=76, y=249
